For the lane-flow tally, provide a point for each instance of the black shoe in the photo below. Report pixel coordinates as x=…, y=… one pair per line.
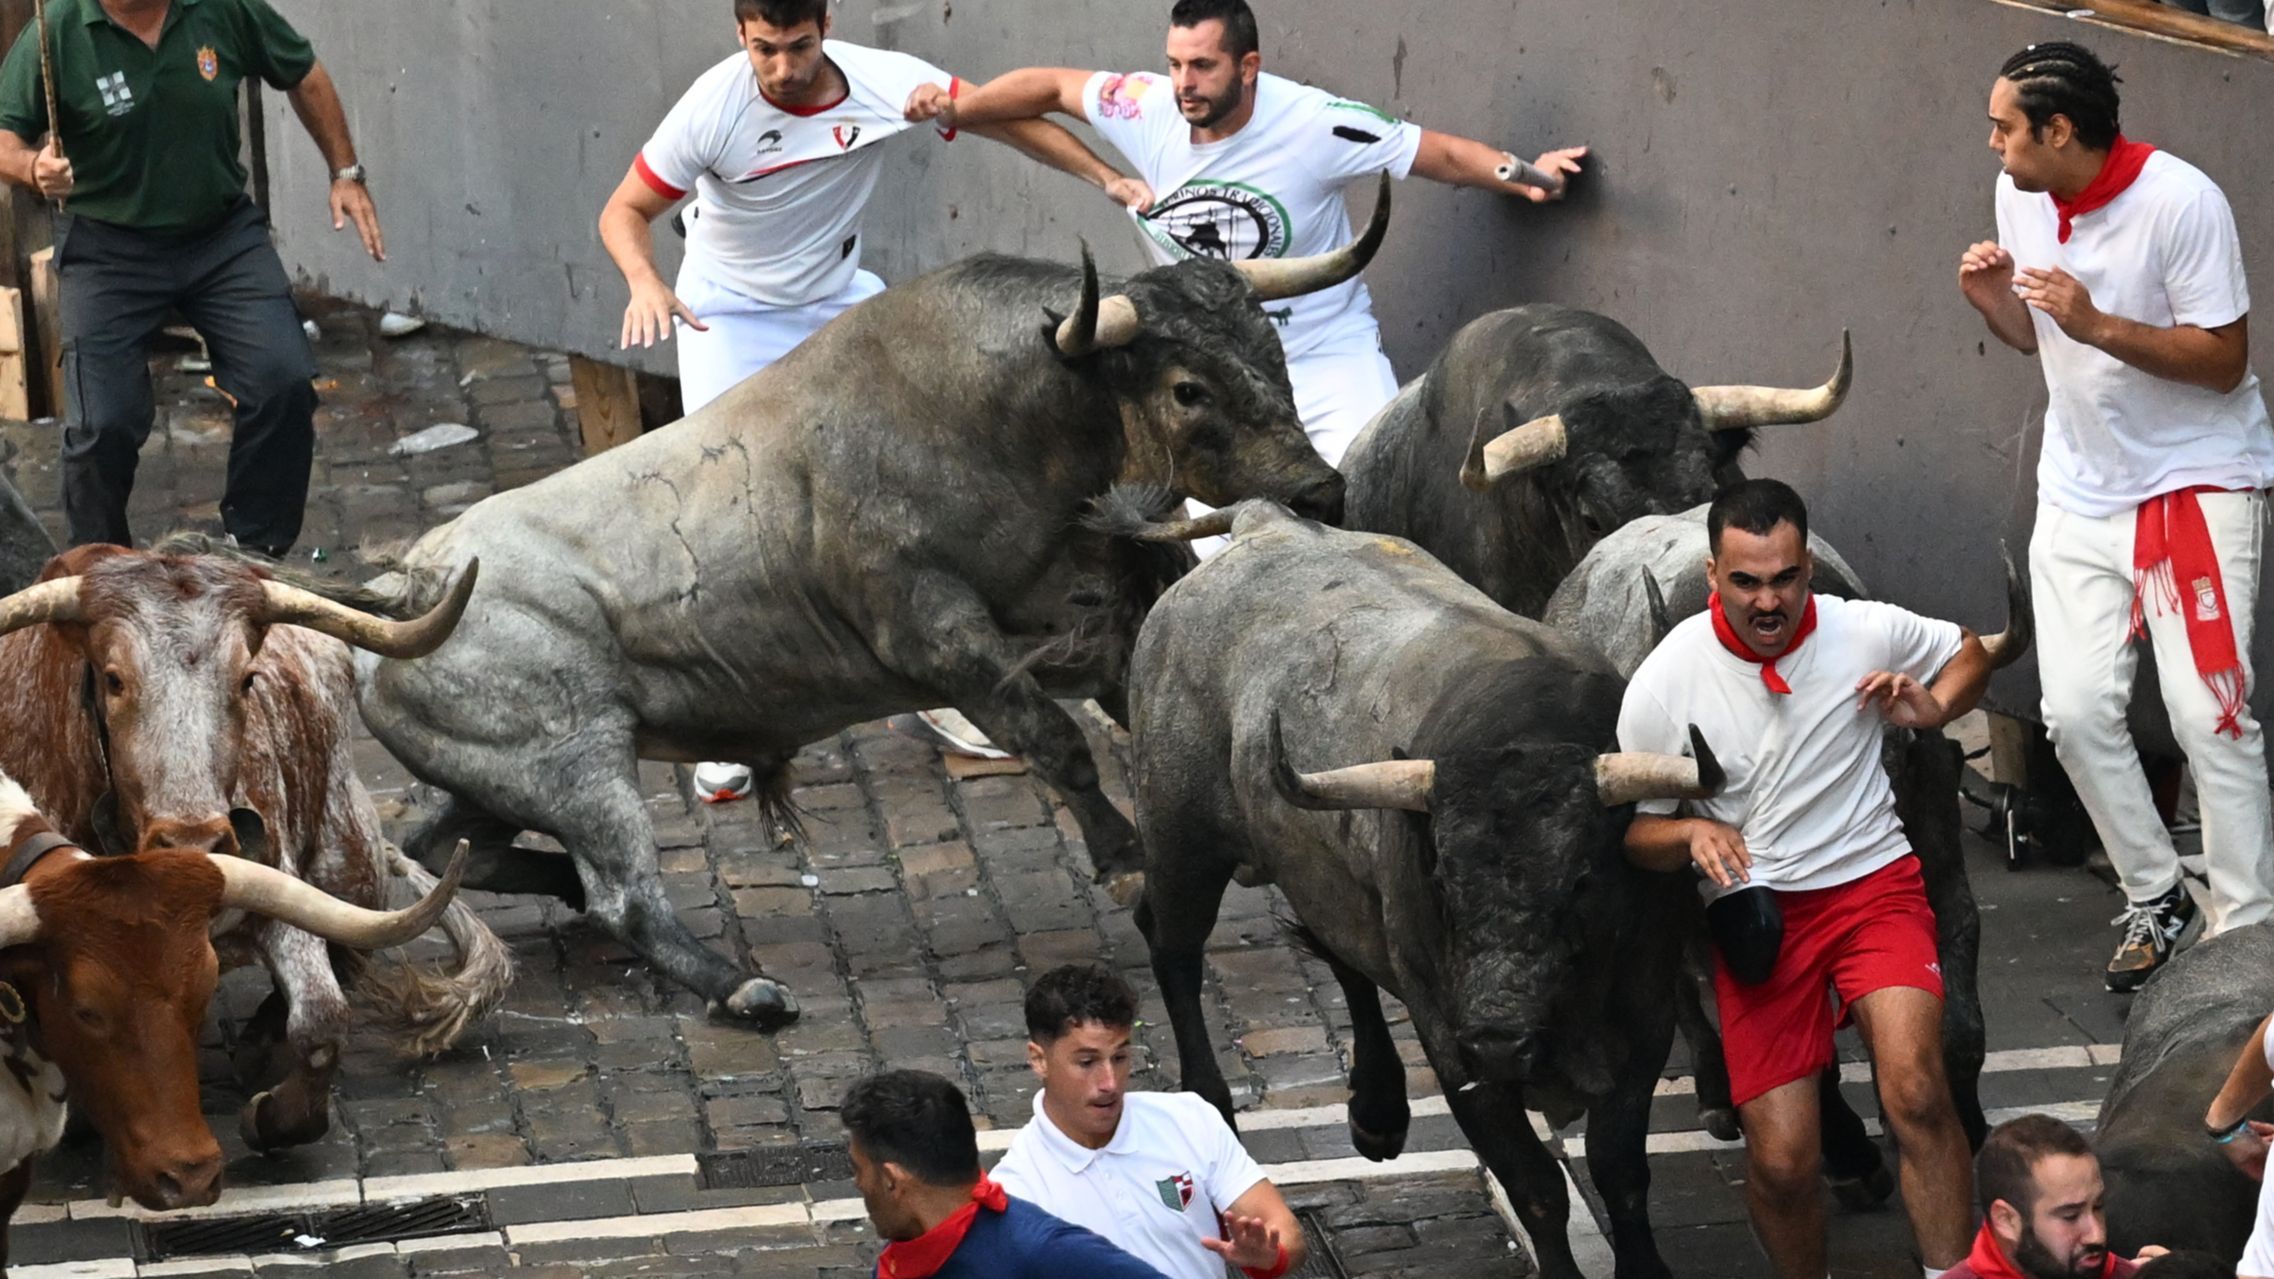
x=2151, y=934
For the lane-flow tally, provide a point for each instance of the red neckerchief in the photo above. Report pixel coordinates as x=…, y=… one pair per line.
x=2117, y=174
x=1988, y=1260
x=2172, y=558
x=1727, y=634
x=923, y=1256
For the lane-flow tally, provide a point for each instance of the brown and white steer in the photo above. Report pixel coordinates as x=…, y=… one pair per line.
x=108, y=968
x=160, y=703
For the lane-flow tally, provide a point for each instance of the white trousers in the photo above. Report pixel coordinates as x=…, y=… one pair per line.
x=745, y=335
x=1338, y=390
x=2080, y=571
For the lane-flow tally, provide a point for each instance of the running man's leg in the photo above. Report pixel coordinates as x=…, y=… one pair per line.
x=116, y=289
x=1784, y=1193
x=2230, y=772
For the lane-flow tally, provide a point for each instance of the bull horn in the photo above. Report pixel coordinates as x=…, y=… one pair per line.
x=1628, y=777
x=19, y=921
x=2006, y=647
x=56, y=601
x=288, y=899
x=1276, y=278
x=1534, y=444
x=1661, y=621
x=291, y=606
x=1403, y=784
x=1737, y=408
x=1097, y=325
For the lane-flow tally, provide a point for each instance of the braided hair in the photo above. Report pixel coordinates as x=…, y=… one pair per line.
x=2060, y=78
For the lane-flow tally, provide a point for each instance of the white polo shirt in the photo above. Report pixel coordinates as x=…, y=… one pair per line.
x=2258, y=1254
x=2165, y=253
x=1272, y=190
x=780, y=190
x=1155, y=1190
x=1806, y=787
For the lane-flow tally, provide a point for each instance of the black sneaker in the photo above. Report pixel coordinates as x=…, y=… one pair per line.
x=2151, y=933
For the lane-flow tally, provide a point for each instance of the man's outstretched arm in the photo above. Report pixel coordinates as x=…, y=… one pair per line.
x=1459, y=161
x=1027, y=94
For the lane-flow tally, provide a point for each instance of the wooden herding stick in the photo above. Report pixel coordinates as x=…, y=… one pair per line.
x=47, y=80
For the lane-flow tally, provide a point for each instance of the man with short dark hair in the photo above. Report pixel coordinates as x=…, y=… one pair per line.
x=916, y=1164
x=781, y=145
x=1249, y=165
x=2042, y=1214
x=147, y=168
x=1160, y=1174
x=1816, y=903
x=2119, y=267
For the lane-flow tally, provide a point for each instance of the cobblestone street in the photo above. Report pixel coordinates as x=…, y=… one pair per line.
x=578, y=1131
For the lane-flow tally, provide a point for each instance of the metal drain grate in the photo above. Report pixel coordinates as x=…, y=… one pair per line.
x=778, y=1166
x=1323, y=1263
x=282, y=1232
x=269, y=1232
x=392, y=1223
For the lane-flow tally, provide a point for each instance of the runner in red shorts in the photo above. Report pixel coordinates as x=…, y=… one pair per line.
x=1816, y=906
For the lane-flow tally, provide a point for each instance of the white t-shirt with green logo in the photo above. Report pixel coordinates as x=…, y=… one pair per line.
x=1272, y=190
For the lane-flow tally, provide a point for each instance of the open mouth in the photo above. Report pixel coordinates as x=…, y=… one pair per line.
x=1768, y=627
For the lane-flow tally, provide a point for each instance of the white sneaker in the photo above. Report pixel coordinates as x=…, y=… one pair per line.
x=720, y=783
x=957, y=734
x=395, y=324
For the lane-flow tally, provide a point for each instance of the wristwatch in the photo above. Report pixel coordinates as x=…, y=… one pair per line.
x=351, y=173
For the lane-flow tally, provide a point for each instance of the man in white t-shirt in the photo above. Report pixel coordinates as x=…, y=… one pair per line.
x=1819, y=913
x=2244, y=1140
x=2119, y=267
x=1161, y=1175
x=782, y=144
x=1249, y=165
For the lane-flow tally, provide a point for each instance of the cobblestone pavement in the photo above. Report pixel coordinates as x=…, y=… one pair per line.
x=563, y=1132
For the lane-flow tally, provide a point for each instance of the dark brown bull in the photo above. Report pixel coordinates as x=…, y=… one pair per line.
x=165, y=704
x=108, y=969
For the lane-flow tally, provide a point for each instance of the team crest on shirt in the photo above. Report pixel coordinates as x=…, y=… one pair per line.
x=1176, y=1191
x=846, y=135
x=1118, y=96
x=2206, y=600
x=208, y=62
x=1227, y=221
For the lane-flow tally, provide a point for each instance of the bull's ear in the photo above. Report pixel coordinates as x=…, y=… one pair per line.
x=252, y=836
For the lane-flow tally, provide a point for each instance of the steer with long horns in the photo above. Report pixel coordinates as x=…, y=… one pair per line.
x=886, y=519
x=1539, y=430
x=1433, y=782
x=165, y=705
x=106, y=969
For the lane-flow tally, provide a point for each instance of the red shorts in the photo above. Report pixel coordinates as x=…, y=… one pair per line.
x=1840, y=944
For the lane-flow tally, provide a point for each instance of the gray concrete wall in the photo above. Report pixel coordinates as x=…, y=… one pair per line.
x=1768, y=172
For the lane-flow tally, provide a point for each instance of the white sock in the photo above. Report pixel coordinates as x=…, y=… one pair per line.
x=1933, y=1273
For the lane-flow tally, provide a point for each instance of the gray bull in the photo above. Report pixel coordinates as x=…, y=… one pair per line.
x=2166, y=1184
x=1543, y=428
x=886, y=519
x=1623, y=596
x=1460, y=846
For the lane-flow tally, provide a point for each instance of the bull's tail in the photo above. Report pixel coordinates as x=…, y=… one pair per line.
x=399, y=593
x=1140, y=513
x=427, y=1006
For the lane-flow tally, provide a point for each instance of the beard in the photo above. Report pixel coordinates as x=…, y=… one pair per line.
x=2037, y=1261
x=1214, y=110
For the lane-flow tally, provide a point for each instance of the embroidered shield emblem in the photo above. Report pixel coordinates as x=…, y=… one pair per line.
x=2206, y=601
x=1176, y=1191
x=846, y=135
x=208, y=62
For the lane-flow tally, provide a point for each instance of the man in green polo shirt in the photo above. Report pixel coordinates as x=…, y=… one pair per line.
x=158, y=220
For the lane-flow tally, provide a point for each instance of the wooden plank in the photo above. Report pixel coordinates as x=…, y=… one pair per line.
x=46, y=336
x=2162, y=22
x=15, y=386
x=607, y=403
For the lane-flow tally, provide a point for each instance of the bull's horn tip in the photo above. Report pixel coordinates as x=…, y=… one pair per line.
x=1710, y=774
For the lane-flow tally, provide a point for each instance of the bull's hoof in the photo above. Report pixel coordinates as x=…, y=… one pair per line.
x=1863, y=1194
x=1126, y=888
x=1247, y=876
x=1378, y=1146
x=766, y=1004
x=267, y=1133
x=1721, y=1121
